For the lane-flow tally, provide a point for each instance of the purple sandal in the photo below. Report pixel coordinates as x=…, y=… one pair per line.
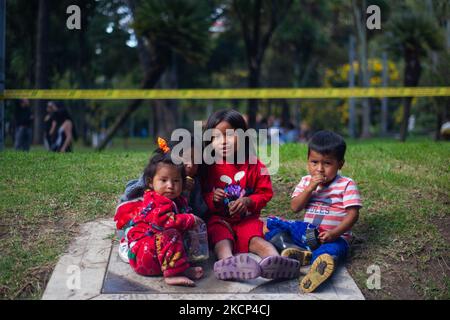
x=277, y=267
x=241, y=267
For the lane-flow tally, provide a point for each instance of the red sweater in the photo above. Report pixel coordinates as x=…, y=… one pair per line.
x=257, y=184
x=155, y=210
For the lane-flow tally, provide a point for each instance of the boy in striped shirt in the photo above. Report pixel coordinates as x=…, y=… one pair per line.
x=331, y=203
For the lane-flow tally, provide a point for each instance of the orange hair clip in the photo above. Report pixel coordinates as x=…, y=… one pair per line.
x=162, y=144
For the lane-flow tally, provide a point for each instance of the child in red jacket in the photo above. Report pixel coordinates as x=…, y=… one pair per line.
x=154, y=226
x=236, y=189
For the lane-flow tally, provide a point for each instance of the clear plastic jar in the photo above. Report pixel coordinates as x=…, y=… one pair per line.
x=196, y=243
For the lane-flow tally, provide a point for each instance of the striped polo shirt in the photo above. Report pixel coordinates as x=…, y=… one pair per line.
x=326, y=207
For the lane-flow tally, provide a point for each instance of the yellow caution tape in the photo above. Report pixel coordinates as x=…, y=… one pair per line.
x=263, y=93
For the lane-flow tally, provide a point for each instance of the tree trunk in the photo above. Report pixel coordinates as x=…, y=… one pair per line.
x=297, y=113
x=153, y=67
x=269, y=108
x=384, y=101
x=364, y=79
x=151, y=121
x=80, y=79
x=285, y=113
x=254, y=51
x=169, y=115
x=252, y=106
x=82, y=75
x=437, y=132
x=413, y=70
x=151, y=78
x=166, y=115
x=256, y=40
x=406, y=114
x=145, y=62
x=443, y=107
x=154, y=106
x=351, y=84
x=42, y=81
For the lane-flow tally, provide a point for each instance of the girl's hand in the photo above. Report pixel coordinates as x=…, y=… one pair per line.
x=328, y=236
x=219, y=195
x=239, y=207
x=190, y=183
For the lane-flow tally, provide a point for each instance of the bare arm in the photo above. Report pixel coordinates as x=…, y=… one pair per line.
x=52, y=128
x=299, y=202
x=346, y=224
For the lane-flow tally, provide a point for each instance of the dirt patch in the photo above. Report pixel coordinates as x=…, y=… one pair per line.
x=3, y=231
x=36, y=281
x=394, y=280
x=403, y=276
x=443, y=225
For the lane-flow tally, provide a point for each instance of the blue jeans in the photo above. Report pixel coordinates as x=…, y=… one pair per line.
x=297, y=229
x=337, y=249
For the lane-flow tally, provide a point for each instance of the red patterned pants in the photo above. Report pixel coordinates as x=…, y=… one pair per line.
x=162, y=252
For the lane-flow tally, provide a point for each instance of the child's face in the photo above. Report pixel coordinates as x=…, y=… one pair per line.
x=167, y=181
x=224, y=143
x=325, y=165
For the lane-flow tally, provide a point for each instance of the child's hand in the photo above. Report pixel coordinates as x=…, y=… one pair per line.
x=239, y=207
x=328, y=236
x=316, y=180
x=190, y=183
x=219, y=195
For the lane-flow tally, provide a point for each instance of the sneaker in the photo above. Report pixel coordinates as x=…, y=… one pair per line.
x=322, y=268
x=301, y=255
x=241, y=267
x=123, y=251
x=277, y=267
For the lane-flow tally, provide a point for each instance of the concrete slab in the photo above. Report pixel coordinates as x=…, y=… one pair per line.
x=120, y=278
x=92, y=269
x=80, y=272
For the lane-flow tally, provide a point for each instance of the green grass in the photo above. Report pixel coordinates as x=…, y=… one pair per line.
x=403, y=228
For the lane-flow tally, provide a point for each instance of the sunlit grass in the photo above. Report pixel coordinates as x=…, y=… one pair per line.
x=45, y=196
